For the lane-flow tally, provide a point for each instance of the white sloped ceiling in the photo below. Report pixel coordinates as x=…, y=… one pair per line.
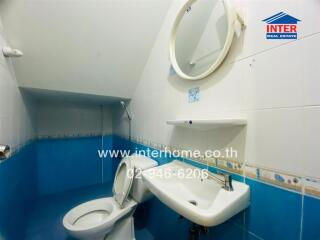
x=84, y=46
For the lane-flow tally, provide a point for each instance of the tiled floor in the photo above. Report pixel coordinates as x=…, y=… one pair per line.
x=46, y=219
x=143, y=234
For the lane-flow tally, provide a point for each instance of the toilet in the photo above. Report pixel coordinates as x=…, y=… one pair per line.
x=111, y=218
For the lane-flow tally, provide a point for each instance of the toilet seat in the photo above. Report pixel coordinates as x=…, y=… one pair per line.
x=94, y=216
x=123, y=181
x=99, y=216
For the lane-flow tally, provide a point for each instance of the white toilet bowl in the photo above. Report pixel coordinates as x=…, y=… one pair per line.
x=95, y=219
x=111, y=218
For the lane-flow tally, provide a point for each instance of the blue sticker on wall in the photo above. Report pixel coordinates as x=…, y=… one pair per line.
x=194, y=95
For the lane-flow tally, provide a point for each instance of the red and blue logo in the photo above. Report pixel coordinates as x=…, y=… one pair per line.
x=281, y=26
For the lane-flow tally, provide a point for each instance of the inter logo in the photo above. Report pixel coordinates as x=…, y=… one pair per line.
x=281, y=26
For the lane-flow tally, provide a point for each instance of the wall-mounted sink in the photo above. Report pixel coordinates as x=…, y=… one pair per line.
x=197, y=197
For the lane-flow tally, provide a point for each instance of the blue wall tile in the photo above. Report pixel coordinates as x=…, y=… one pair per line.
x=311, y=219
x=108, y=161
x=119, y=144
x=274, y=213
x=227, y=231
x=65, y=164
x=59, y=165
x=164, y=223
x=17, y=192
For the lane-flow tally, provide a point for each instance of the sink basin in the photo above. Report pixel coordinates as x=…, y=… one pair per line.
x=197, y=197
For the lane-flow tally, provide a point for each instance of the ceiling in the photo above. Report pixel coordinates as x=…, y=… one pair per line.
x=95, y=47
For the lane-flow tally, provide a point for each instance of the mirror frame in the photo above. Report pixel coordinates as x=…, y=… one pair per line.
x=231, y=16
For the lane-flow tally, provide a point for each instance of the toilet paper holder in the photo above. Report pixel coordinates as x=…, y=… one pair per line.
x=4, y=152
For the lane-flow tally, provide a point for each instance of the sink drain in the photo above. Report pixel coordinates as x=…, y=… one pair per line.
x=193, y=202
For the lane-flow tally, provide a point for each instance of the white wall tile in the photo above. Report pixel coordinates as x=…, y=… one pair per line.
x=274, y=139
x=310, y=164
x=277, y=78
x=16, y=118
x=310, y=67
x=4, y=91
x=7, y=132
x=308, y=13
x=2, y=129
x=226, y=90
x=2, y=44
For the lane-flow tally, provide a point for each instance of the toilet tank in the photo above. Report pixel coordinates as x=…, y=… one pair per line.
x=139, y=192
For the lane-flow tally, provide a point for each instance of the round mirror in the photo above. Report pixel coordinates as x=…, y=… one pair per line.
x=201, y=37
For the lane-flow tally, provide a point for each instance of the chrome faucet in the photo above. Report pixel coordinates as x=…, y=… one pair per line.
x=224, y=179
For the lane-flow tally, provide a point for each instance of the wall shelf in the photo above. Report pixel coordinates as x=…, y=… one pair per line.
x=207, y=124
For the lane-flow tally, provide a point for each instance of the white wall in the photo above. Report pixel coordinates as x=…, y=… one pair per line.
x=58, y=119
x=16, y=110
x=272, y=83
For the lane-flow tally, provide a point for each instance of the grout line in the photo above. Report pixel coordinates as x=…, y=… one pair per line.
x=297, y=107
x=302, y=213
x=279, y=108
x=278, y=46
x=312, y=196
x=244, y=224
x=245, y=230
x=256, y=236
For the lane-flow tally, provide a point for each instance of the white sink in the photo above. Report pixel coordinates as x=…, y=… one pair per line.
x=200, y=199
